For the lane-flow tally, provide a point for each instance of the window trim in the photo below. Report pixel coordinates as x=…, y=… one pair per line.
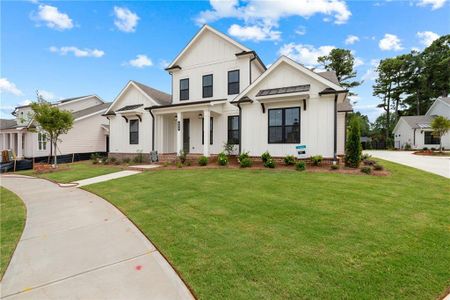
x=283, y=118
x=211, y=130
x=184, y=79
x=212, y=86
x=438, y=139
x=130, y=132
x=42, y=141
x=238, y=130
x=238, y=82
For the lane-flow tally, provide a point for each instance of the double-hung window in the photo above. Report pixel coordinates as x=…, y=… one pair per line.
x=233, y=82
x=207, y=85
x=284, y=125
x=430, y=139
x=211, y=130
x=134, y=132
x=184, y=89
x=233, y=130
x=42, y=141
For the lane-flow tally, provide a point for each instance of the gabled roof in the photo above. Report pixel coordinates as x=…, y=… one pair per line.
x=345, y=106
x=7, y=123
x=417, y=121
x=284, y=59
x=330, y=75
x=90, y=110
x=205, y=28
x=63, y=101
x=445, y=100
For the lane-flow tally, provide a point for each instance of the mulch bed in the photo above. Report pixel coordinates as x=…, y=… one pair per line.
x=431, y=153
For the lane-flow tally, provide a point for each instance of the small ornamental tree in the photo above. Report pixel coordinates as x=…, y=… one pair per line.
x=353, y=147
x=440, y=126
x=53, y=121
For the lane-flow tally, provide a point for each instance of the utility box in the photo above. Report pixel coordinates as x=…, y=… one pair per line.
x=154, y=156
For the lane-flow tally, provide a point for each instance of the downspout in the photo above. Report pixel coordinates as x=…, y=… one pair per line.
x=240, y=127
x=414, y=137
x=335, y=126
x=345, y=130
x=153, y=128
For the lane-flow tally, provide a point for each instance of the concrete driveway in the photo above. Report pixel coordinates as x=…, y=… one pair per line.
x=78, y=246
x=432, y=164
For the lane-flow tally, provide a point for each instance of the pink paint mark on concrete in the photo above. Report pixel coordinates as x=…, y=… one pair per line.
x=138, y=267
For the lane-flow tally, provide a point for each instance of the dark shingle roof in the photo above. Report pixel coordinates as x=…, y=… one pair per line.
x=329, y=75
x=129, y=107
x=160, y=97
x=345, y=106
x=418, y=121
x=284, y=90
x=7, y=123
x=90, y=110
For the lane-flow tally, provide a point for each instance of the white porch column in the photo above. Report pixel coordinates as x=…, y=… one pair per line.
x=11, y=142
x=4, y=146
x=19, y=145
x=206, y=129
x=179, y=132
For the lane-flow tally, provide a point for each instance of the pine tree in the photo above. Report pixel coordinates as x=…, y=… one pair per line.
x=353, y=147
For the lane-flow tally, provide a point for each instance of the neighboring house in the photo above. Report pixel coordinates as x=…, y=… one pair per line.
x=216, y=79
x=416, y=131
x=88, y=134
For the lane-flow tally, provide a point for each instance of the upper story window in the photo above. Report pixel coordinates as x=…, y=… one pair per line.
x=184, y=89
x=134, y=132
x=284, y=125
x=207, y=84
x=233, y=82
x=430, y=139
x=42, y=141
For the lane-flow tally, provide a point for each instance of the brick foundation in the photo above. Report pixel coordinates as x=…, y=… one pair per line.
x=130, y=156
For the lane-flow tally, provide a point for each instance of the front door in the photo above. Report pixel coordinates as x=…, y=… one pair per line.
x=186, y=137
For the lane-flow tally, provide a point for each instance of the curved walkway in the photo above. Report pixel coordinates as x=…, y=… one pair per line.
x=76, y=245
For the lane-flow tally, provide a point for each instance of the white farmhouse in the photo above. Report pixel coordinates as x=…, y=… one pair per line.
x=416, y=131
x=223, y=93
x=89, y=132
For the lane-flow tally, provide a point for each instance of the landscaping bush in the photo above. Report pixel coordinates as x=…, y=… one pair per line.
x=367, y=170
x=365, y=156
x=316, y=160
x=165, y=164
x=182, y=156
x=334, y=167
x=113, y=160
x=203, y=161
x=407, y=147
x=289, y=160
x=269, y=163
x=126, y=160
x=433, y=149
x=179, y=164
x=425, y=148
x=95, y=162
x=353, y=146
x=228, y=148
x=245, y=162
x=378, y=167
x=116, y=162
x=139, y=158
x=222, y=159
x=243, y=155
x=369, y=162
x=266, y=156
x=300, y=166
x=187, y=163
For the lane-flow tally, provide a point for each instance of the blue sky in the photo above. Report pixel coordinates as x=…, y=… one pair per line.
x=72, y=48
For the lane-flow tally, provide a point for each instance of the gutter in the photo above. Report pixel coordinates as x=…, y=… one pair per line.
x=240, y=127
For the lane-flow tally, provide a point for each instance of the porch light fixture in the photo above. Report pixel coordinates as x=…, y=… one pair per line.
x=200, y=116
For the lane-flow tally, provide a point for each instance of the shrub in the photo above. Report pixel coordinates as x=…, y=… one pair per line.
x=433, y=149
x=222, y=159
x=365, y=156
x=269, y=163
x=188, y=163
x=182, y=156
x=203, y=161
x=117, y=162
x=266, y=156
x=106, y=161
x=139, y=158
x=95, y=156
x=245, y=162
x=126, y=160
x=369, y=162
x=378, y=167
x=367, y=170
x=95, y=162
x=243, y=155
x=407, y=146
x=300, y=166
x=179, y=164
x=165, y=164
x=316, y=160
x=353, y=146
x=334, y=167
x=112, y=159
x=228, y=148
x=289, y=160
x=425, y=148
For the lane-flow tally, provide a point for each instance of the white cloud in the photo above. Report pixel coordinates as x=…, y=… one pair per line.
x=53, y=18
x=371, y=72
x=49, y=96
x=305, y=54
x=9, y=87
x=141, y=61
x=351, y=39
x=163, y=63
x=254, y=33
x=390, y=42
x=435, y=4
x=427, y=37
x=358, y=62
x=301, y=30
x=86, y=52
x=125, y=20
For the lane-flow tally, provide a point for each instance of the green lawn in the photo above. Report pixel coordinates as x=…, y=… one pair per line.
x=76, y=171
x=249, y=234
x=12, y=222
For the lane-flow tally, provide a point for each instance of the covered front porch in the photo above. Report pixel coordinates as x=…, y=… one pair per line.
x=183, y=127
x=13, y=140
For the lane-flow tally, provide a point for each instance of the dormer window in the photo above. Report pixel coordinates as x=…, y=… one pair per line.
x=207, y=84
x=184, y=89
x=233, y=82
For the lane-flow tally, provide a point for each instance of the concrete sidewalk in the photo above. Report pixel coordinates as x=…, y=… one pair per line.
x=106, y=177
x=439, y=165
x=78, y=246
